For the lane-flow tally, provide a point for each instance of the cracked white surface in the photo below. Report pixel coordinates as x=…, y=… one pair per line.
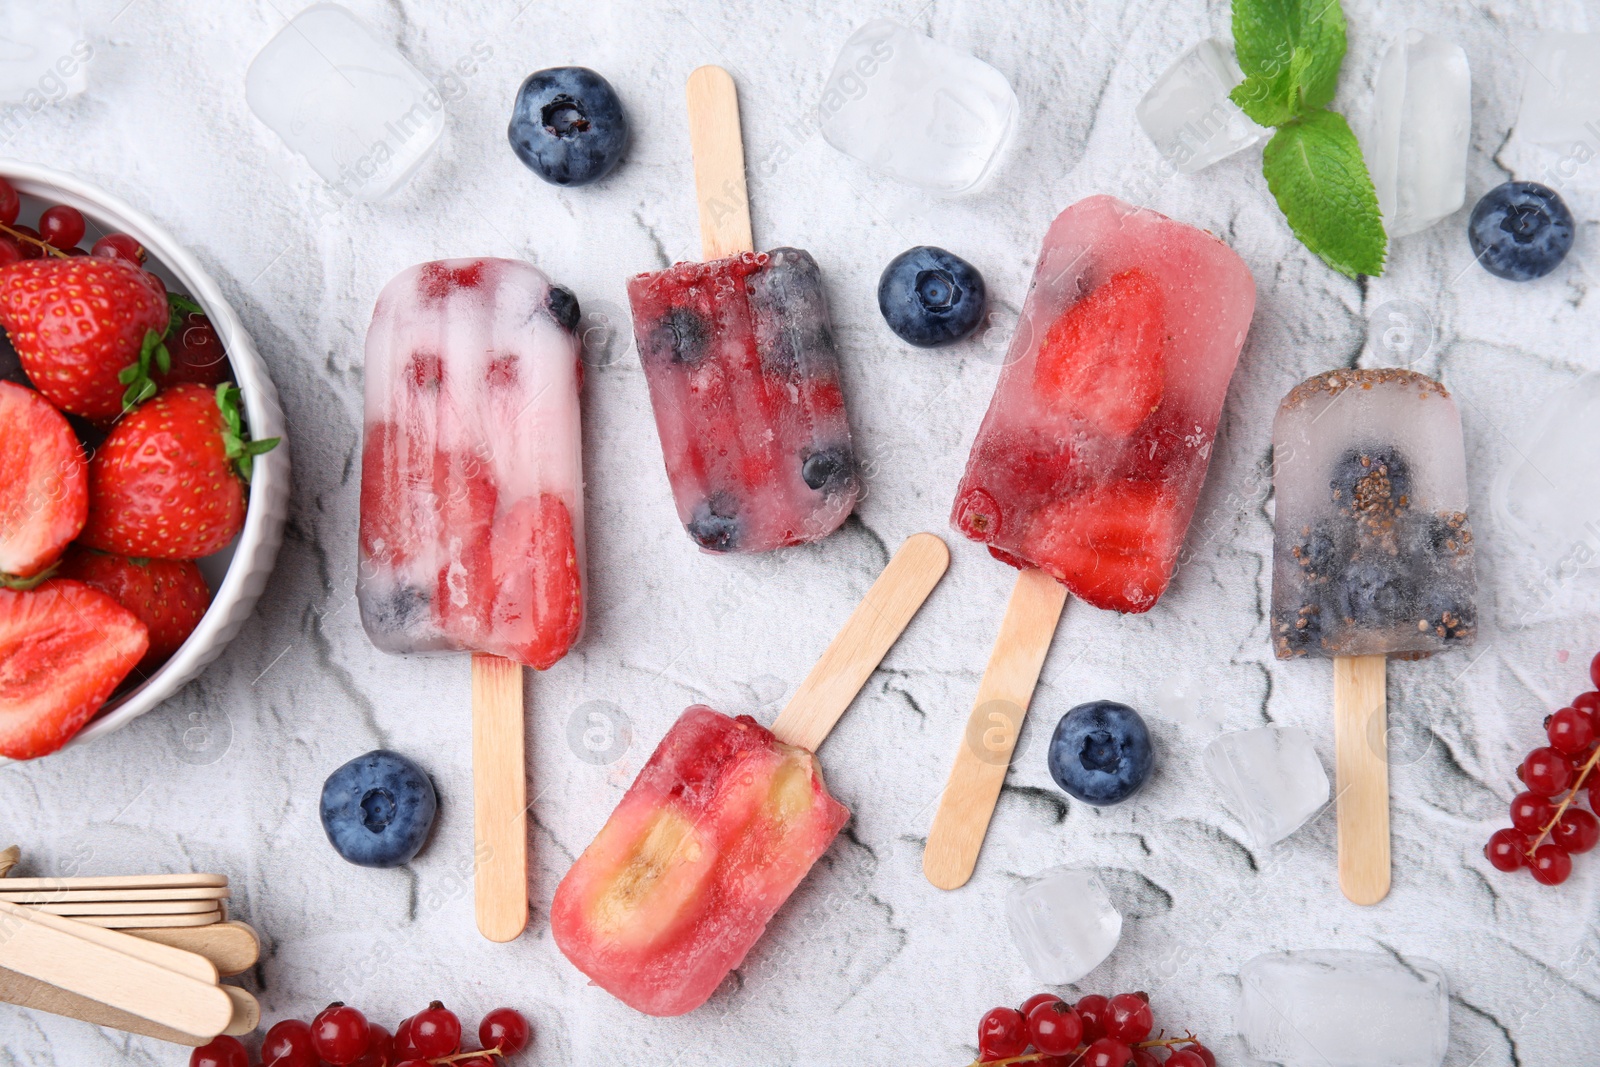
x=868, y=964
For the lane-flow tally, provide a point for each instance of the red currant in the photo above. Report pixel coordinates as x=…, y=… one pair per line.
x=1589, y=703
x=413, y=1063
x=1546, y=772
x=1550, y=864
x=1093, y=1010
x=222, y=1051
x=10, y=203
x=435, y=1031
x=1204, y=1053
x=1570, y=731
x=1143, y=1057
x=505, y=1029
x=1507, y=849
x=1054, y=1028
x=62, y=226
x=1002, y=1032
x=1107, y=1052
x=1594, y=670
x=1185, y=1057
x=475, y=1061
x=1036, y=1000
x=120, y=246
x=30, y=249
x=339, y=1034
x=380, y=1048
x=1531, y=813
x=1594, y=793
x=1576, y=831
x=10, y=251
x=403, y=1048
x=1128, y=1018
x=288, y=1044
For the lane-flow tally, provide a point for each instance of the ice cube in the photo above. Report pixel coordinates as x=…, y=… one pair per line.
x=1416, y=144
x=1270, y=778
x=43, y=56
x=1063, y=923
x=1187, y=112
x=1344, y=1009
x=1561, y=91
x=914, y=109
x=363, y=116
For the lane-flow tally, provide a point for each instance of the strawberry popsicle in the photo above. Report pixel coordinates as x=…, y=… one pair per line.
x=1091, y=458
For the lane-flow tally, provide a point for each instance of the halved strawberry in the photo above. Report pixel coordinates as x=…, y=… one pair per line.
x=1113, y=545
x=44, y=494
x=164, y=482
x=538, y=609
x=1104, y=359
x=78, y=324
x=169, y=596
x=64, y=648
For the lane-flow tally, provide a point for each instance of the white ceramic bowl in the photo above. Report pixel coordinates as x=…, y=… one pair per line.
x=238, y=573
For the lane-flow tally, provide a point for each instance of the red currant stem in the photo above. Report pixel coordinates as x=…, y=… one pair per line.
x=1076, y=1054
x=1566, y=801
x=1027, y=1057
x=468, y=1055
x=41, y=242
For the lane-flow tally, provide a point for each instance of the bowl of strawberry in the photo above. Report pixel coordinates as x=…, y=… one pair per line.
x=145, y=481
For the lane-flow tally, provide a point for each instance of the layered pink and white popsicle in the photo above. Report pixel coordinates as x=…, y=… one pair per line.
x=1090, y=460
x=471, y=476
x=715, y=833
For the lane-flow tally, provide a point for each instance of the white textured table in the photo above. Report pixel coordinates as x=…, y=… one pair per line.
x=868, y=964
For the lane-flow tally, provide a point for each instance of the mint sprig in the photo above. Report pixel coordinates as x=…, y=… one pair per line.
x=1291, y=52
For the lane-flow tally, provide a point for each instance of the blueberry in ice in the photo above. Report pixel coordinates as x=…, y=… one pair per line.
x=829, y=470
x=1101, y=752
x=1520, y=231
x=715, y=525
x=568, y=125
x=395, y=612
x=1320, y=550
x=1447, y=613
x=1376, y=589
x=930, y=297
x=1374, y=479
x=680, y=336
x=564, y=307
x=377, y=809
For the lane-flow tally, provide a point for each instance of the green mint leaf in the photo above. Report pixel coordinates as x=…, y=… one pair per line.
x=1295, y=47
x=1316, y=173
x=1268, y=101
x=178, y=307
x=163, y=358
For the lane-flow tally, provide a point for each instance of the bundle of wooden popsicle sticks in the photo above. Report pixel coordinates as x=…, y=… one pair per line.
x=141, y=953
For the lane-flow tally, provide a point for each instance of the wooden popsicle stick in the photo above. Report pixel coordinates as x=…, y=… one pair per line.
x=10, y=856
x=79, y=896
x=35, y=995
x=718, y=149
x=500, y=797
x=232, y=947
x=117, y=881
x=192, y=964
x=141, y=922
x=123, y=907
x=246, y=1012
x=856, y=651
x=78, y=965
x=1361, y=759
x=992, y=729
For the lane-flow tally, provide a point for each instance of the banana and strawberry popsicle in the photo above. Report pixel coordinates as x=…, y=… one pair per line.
x=1091, y=458
x=744, y=379
x=1372, y=550
x=471, y=477
x=718, y=829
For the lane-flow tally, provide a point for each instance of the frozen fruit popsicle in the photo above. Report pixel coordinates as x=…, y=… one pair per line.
x=724, y=821
x=1372, y=556
x=743, y=373
x=472, y=509
x=1089, y=463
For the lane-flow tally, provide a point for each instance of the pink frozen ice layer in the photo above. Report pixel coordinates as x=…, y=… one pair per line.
x=1091, y=457
x=720, y=826
x=471, y=474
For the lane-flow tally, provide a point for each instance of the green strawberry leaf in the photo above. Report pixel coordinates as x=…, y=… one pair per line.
x=22, y=585
x=180, y=306
x=236, y=443
x=136, y=376
x=1291, y=51
x=1316, y=173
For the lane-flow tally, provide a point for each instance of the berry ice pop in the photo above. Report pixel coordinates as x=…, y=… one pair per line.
x=472, y=512
x=740, y=359
x=1089, y=463
x=724, y=821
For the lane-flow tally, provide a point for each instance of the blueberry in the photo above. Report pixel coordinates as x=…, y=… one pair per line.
x=1520, y=231
x=564, y=307
x=568, y=125
x=930, y=297
x=1376, y=589
x=1100, y=752
x=1448, y=613
x=1320, y=550
x=1369, y=480
x=377, y=809
x=715, y=526
x=829, y=470
x=395, y=612
x=681, y=336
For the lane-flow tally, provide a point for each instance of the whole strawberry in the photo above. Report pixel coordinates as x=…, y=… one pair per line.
x=79, y=324
x=169, y=480
x=169, y=596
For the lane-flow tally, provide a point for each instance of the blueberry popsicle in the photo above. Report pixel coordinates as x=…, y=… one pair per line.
x=740, y=359
x=1372, y=557
x=1088, y=465
x=472, y=510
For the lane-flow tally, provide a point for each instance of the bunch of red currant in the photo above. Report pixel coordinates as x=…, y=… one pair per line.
x=1095, y=1032
x=1546, y=829
x=340, y=1036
